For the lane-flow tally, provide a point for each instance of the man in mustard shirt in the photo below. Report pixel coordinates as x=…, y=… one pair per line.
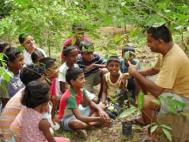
x=172, y=73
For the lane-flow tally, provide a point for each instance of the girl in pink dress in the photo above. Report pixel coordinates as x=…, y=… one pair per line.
x=33, y=127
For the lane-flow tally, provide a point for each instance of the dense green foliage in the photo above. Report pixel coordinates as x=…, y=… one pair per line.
x=50, y=21
x=3, y=74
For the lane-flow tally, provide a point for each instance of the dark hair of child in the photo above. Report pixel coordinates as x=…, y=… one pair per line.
x=68, y=49
x=47, y=62
x=11, y=54
x=128, y=48
x=161, y=32
x=35, y=94
x=36, y=56
x=78, y=27
x=114, y=59
x=73, y=73
x=22, y=37
x=86, y=46
x=31, y=72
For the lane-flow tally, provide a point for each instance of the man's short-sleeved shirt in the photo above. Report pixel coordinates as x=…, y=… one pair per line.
x=69, y=101
x=173, y=75
x=96, y=60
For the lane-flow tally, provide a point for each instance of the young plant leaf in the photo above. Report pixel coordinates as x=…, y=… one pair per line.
x=127, y=112
x=167, y=134
x=140, y=100
x=6, y=76
x=153, y=128
x=166, y=127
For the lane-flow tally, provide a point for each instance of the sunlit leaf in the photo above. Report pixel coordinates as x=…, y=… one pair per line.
x=153, y=128
x=166, y=127
x=140, y=100
x=167, y=134
x=128, y=112
x=6, y=76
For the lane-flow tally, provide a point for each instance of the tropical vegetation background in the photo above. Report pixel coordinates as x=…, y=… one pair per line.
x=49, y=21
x=110, y=24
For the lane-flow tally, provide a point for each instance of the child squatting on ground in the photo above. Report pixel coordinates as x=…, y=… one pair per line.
x=113, y=82
x=70, y=57
x=128, y=55
x=70, y=115
x=13, y=106
x=30, y=122
x=13, y=58
x=92, y=64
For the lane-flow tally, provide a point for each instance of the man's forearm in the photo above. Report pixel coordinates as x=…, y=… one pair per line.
x=148, y=84
x=149, y=72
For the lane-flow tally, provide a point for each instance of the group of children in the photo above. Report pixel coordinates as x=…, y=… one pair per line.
x=38, y=88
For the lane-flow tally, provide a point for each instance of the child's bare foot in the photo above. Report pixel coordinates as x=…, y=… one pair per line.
x=81, y=133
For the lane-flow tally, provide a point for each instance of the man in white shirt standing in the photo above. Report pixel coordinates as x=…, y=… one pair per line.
x=27, y=41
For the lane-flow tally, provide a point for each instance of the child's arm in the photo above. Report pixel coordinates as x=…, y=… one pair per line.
x=124, y=80
x=62, y=79
x=104, y=89
x=100, y=65
x=83, y=118
x=90, y=67
x=149, y=72
x=62, y=86
x=54, y=106
x=96, y=107
x=44, y=127
x=103, y=115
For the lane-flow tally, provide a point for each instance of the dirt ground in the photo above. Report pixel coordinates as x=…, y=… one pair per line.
x=112, y=134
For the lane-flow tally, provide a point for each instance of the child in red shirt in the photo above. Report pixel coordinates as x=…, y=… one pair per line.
x=70, y=114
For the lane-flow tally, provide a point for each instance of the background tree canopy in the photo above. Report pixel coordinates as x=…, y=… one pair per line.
x=49, y=21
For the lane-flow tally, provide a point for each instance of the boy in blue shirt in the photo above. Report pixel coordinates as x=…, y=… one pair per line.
x=91, y=63
x=128, y=55
x=14, y=60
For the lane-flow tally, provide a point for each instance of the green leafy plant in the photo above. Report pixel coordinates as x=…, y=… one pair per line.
x=173, y=105
x=161, y=129
x=154, y=127
x=4, y=75
x=50, y=25
x=132, y=109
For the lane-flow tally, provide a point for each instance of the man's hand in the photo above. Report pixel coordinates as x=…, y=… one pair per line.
x=132, y=68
